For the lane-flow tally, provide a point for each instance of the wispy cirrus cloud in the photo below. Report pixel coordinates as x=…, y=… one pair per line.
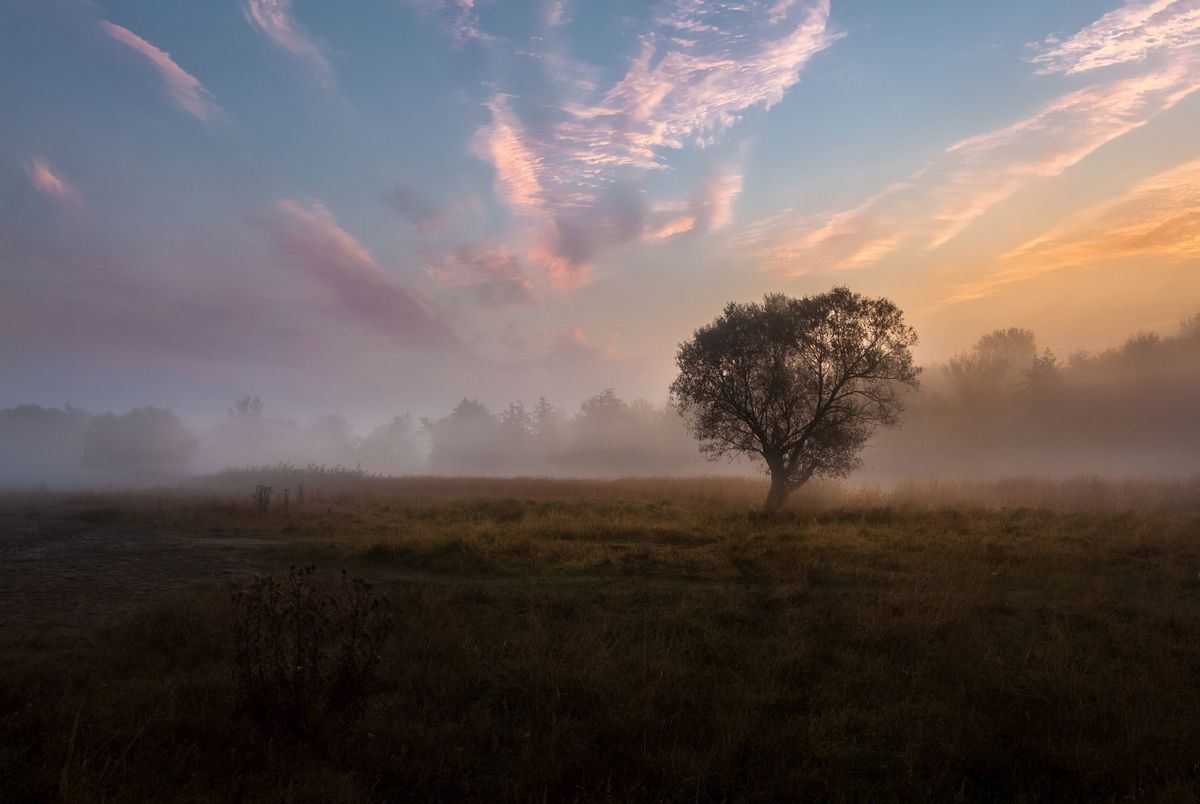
x=307, y=235
x=185, y=90
x=971, y=176
x=572, y=178
x=456, y=18
x=1159, y=218
x=274, y=19
x=695, y=77
x=46, y=181
x=1131, y=33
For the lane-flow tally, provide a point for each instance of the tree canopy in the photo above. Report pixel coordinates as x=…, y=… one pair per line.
x=799, y=383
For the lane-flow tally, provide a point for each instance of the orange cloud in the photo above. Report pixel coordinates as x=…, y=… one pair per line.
x=1160, y=217
x=968, y=178
x=185, y=90
x=47, y=182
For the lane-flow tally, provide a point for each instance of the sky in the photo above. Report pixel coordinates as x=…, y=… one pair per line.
x=384, y=206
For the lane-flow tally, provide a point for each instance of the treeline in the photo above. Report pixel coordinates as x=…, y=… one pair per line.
x=606, y=437
x=72, y=447
x=1004, y=407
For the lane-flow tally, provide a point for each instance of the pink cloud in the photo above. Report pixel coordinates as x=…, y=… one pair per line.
x=275, y=20
x=1129, y=34
x=571, y=348
x=709, y=208
x=184, y=90
x=570, y=179
x=307, y=235
x=492, y=274
x=47, y=182
x=512, y=153
x=968, y=178
x=718, y=62
x=713, y=202
x=677, y=226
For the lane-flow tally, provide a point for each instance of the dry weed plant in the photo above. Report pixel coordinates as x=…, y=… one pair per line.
x=304, y=656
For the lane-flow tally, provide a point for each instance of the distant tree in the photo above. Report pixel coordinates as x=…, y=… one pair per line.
x=391, y=448
x=465, y=441
x=988, y=377
x=799, y=383
x=545, y=417
x=1044, y=375
x=144, y=442
x=246, y=408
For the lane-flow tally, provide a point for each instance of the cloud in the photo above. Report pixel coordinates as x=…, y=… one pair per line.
x=421, y=210
x=712, y=204
x=677, y=226
x=569, y=171
x=1129, y=34
x=938, y=202
x=1160, y=217
x=512, y=153
x=275, y=20
x=694, y=77
x=709, y=208
x=571, y=349
x=308, y=236
x=492, y=274
x=185, y=91
x=456, y=18
x=47, y=182
x=556, y=12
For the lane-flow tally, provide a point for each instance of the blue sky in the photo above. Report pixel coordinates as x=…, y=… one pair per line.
x=382, y=206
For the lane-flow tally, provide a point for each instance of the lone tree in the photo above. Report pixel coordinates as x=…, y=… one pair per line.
x=800, y=383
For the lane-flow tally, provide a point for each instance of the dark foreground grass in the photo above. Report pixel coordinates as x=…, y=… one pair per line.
x=649, y=647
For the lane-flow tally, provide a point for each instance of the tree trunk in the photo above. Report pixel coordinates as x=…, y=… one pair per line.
x=779, y=491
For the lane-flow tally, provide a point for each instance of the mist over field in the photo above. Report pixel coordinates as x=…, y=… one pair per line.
x=1000, y=407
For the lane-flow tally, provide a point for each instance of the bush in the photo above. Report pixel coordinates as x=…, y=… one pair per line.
x=303, y=656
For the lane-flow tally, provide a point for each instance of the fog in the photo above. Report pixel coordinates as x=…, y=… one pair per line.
x=1000, y=407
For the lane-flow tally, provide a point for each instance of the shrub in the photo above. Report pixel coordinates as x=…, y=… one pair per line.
x=306, y=656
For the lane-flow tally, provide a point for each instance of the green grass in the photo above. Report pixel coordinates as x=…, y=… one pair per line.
x=650, y=641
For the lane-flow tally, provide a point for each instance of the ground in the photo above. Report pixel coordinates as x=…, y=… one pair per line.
x=638, y=640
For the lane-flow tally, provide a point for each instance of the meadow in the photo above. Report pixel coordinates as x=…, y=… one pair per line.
x=626, y=640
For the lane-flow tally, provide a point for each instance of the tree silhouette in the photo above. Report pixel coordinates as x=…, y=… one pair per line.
x=799, y=383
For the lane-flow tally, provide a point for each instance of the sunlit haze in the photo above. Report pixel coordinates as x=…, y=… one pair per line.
x=382, y=207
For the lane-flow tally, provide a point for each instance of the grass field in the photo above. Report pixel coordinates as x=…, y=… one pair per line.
x=631, y=640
